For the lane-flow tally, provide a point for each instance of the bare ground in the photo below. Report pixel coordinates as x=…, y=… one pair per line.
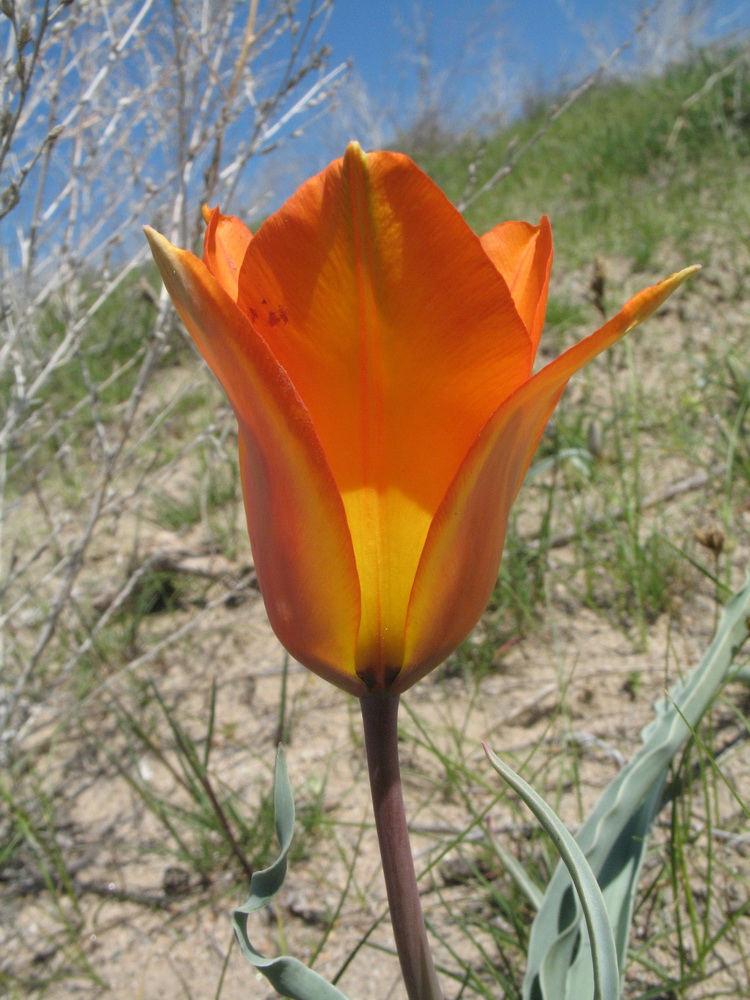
x=136, y=918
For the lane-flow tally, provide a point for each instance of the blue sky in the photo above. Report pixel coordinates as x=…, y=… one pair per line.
x=548, y=37
x=477, y=62
x=486, y=53
x=485, y=58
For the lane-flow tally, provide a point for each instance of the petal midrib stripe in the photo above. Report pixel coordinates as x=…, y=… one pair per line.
x=371, y=402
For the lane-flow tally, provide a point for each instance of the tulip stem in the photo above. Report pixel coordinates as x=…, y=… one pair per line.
x=380, y=718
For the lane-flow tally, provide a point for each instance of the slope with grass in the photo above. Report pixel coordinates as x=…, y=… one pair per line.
x=135, y=797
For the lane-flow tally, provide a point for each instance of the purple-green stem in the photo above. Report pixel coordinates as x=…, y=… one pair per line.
x=380, y=718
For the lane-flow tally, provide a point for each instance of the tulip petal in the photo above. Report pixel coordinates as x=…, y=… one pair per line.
x=224, y=246
x=296, y=519
x=400, y=337
x=522, y=253
x=459, y=565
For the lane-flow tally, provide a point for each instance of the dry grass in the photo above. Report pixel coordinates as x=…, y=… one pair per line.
x=141, y=685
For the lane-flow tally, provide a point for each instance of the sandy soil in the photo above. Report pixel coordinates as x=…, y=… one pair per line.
x=135, y=919
x=149, y=928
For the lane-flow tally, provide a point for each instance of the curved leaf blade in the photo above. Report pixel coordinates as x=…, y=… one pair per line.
x=614, y=835
x=290, y=977
x=603, y=954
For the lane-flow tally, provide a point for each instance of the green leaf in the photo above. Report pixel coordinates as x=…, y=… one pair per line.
x=605, y=974
x=287, y=975
x=614, y=835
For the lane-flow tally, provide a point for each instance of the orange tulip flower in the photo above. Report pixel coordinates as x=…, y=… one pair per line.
x=379, y=356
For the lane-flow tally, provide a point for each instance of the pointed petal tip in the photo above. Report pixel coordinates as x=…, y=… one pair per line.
x=207, y=212
x=153, y=238
x=676, y=279
x=687, y=271
x=161, y=249
x=355, y=152
x=647, y=301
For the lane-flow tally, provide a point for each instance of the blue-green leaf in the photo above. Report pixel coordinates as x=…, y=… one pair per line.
x=605, y=973
x=615, y=834
x=287, y=975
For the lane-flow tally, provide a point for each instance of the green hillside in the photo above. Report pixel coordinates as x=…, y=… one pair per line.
x=143, y=691
x=641, y=169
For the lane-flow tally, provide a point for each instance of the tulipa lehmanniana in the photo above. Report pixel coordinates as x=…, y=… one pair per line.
x=379, y=358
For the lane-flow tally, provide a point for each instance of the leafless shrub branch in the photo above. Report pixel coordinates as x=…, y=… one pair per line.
x=114, y=114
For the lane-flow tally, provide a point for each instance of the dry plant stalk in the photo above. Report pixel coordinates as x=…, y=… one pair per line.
x=114, y=114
